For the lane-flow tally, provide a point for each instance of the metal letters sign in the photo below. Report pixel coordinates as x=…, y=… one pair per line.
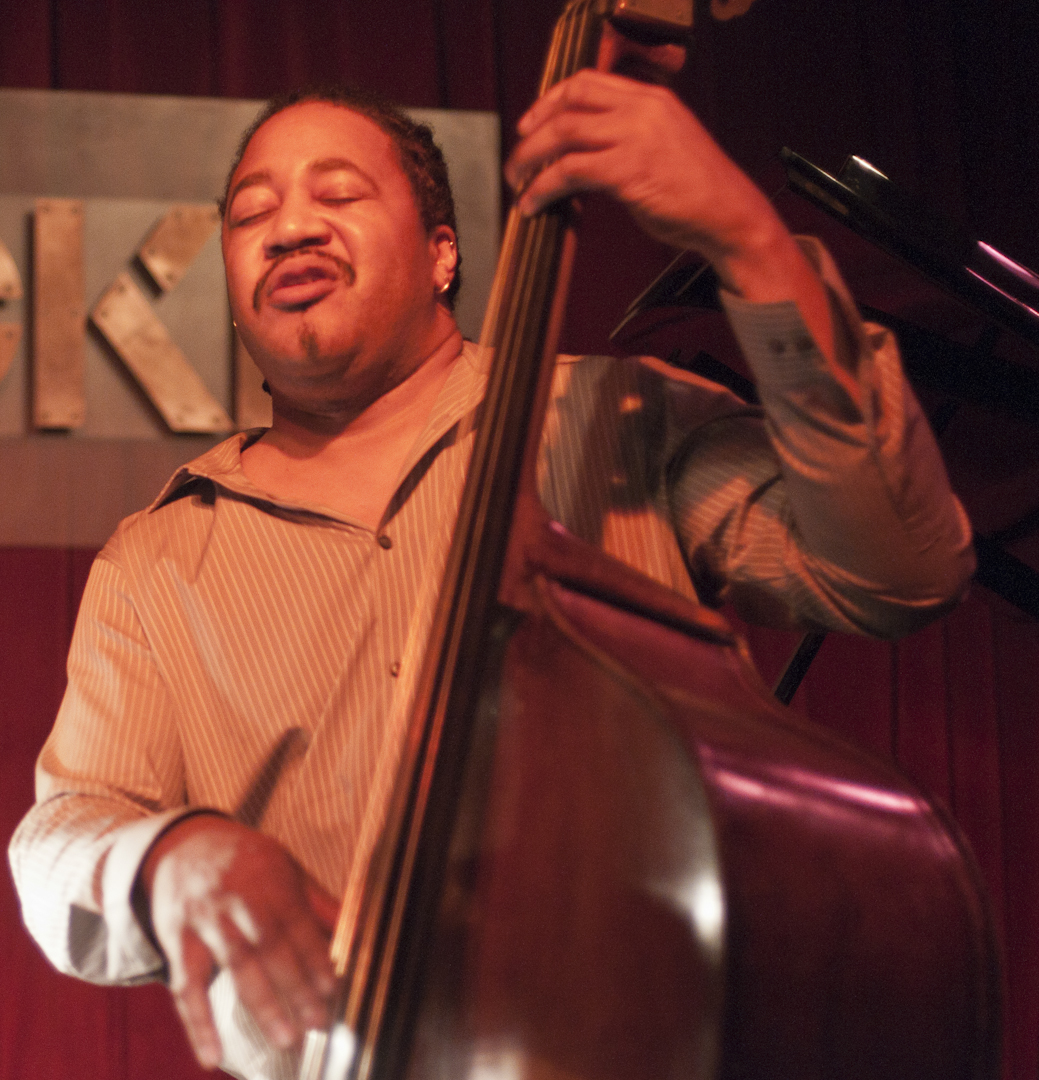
x=10, y=289
x=58, y=314
x=130, y=325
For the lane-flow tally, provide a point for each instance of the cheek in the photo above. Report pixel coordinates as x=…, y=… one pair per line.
x=397, y=244
x=413, y=265
x=239, y=275
x=386, y=269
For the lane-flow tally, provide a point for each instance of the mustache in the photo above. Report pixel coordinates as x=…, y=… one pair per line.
x=343, y=270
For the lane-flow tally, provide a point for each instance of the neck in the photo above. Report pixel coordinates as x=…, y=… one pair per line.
x=365, y=417
x=350, y=461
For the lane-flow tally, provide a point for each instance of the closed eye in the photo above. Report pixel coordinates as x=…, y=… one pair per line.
x=250, y=205
x=248, y=219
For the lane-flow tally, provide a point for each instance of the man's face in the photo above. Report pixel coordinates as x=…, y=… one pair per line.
x=332, y=279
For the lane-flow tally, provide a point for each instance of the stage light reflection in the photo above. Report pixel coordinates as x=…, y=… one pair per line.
x=1015, y=268
x=1003, y=292
x=792, y=788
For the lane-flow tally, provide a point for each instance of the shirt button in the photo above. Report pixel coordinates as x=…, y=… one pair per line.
x=395, y=668
x=385, y=542
x=777, y=347
x=805, y=344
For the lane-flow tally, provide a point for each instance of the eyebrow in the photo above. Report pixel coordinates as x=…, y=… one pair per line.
x=250, y=180
x=325, y=165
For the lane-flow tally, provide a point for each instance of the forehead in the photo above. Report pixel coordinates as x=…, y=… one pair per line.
x=318, y=131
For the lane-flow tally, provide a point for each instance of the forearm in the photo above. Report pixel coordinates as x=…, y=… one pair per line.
x=762, y=263
x=836, y=511
x=74, y=859
x=108, y=781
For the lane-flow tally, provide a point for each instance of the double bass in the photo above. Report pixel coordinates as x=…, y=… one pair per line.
x=607, y=851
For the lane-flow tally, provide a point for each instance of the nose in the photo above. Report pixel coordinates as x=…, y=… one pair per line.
x=298, y=223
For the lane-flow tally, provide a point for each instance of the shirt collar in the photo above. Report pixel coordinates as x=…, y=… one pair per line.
x=222, y=465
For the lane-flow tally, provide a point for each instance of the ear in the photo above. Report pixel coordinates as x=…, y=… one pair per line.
x=444, y=247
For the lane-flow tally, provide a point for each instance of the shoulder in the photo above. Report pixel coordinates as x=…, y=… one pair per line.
x=178, y=520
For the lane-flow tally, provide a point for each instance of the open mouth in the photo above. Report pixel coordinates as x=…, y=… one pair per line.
x=305, y=280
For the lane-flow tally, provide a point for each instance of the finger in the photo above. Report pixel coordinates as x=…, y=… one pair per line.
x=324, y=906
x=599, y=113
x=309, y=940
x=191, y=970
x=586, y=91
x=254, y=976
x=545, y=148
x=567, y=176
x=307, y=920
x=283, y=975
x=566, y=134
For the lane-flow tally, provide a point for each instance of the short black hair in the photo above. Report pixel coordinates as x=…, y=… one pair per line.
x=420, y=157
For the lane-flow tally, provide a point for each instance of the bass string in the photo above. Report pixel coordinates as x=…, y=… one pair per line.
x=527, y=253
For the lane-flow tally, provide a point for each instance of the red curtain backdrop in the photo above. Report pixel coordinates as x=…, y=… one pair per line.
x=940, y=94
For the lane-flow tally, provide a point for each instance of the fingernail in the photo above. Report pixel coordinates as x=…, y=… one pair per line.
x=284, y=1036
x=209, y=1057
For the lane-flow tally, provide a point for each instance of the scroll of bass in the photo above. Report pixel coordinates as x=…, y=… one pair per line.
x=609, y=852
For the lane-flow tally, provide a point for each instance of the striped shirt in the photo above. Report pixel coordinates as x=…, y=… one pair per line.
x=239, y=652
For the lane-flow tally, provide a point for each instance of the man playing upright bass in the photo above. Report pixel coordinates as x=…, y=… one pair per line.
x=240, y=641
